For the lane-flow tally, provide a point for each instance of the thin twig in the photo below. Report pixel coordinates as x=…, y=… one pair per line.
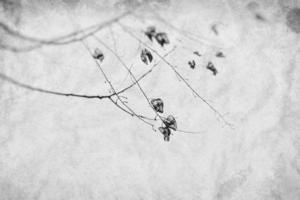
x=61, y=40
x=22, y=85
x=114, y=91
x=179, y=75
x=131, y=74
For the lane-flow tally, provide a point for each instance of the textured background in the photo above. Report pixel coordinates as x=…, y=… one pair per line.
x=57, y=148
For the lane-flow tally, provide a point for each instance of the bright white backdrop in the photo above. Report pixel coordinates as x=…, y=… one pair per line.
x=54, y=147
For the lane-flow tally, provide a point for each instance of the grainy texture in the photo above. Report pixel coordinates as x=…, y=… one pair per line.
x=66, y=130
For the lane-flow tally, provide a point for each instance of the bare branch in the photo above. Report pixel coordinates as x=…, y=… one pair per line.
x=114, y=91
x=179, y=75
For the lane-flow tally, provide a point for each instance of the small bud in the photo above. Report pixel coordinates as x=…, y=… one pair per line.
x=98, y=55
x=192, y=64
x=162, y=38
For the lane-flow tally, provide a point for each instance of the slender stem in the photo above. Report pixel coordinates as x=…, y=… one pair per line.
x=113, y=89
x=179, y=75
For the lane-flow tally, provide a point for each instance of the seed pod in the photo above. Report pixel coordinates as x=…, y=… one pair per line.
x=150, y=32
x=158, y=105
x=220, y=54
x=166, y=132
x=146, y=56
x=162, y=38
x=98, y=55
x=192, y=64
x=212, y=68
x=197, y=53
x=170, y=122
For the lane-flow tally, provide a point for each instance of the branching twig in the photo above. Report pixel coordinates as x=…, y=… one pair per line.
x=114, y=91
x=61, y=40
x=131, y=74
x=179, y=75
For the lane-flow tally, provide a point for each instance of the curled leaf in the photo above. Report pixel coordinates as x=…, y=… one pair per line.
x=210, y=66
x=146, y=56
x=192, y=64
x=197, y=53
x=158, y=105
x=166, y=132
x=170, y=122
x=162, y=38
x=150, y=32
x=98, y=54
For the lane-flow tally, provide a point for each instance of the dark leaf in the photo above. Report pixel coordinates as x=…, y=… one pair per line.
x=192, y=64
x=170, y=122
x=162, y=38
x=220, y=55
x=212, y=68
x=146, y=56
x=150, y=32
x=166, y=132
x=158, y=105
x=98, y=55
x=197, y=53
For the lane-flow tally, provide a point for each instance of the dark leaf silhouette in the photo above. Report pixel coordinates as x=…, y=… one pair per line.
x=146, y=56
x=220, y=55
x=197, y=53
x=192, y=64
x=170, y=122
x=166, y=132
x=158, y=105
x=162, y=38
x=98, y=55
x=150, y=32
x=212, y=68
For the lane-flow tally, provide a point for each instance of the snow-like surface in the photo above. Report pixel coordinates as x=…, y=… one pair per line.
x=54, y=147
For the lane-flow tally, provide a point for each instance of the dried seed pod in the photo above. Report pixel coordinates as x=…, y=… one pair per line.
x=192, y=64
x=98, y=55
x=197, y=53
x=170, y=122
x=162, y=38
x=158, y=105
x=150, y=32
x=212, y=68
x=220, y=54
x=146, y=56
x=166, y=132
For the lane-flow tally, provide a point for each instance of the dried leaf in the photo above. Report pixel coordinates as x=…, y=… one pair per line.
x=98, y=54
x=150, y=32
x=146, y=56
x=162, y=38
x=158, y=105
x=166, y=132
x=192, y=64
x=170, y=122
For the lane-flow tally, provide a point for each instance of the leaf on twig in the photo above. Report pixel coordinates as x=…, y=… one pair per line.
x=212, y=68
x=162, y=38
x=158, y=105
x=197, y=53
x=220, y=54
x=166, y=132
x=170, y=122
x=150, y=32
x=146, y=56
x=98, y=54
x=192, y=64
